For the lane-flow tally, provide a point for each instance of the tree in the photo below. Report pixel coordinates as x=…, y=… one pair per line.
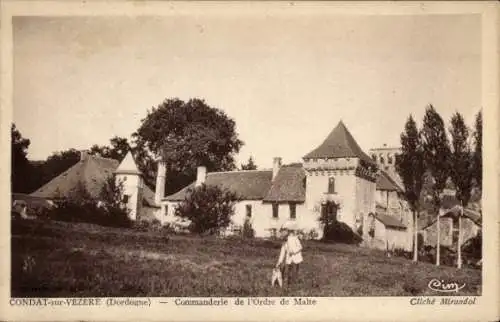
x=436, y=159
x=117, y=150
x=19, y=160
x=57, y=163
x=462, y=170
x=187, y=135
x=208, y=208
x=250, y=165
x=478, y=151
x=113, y=205
x=411, y=169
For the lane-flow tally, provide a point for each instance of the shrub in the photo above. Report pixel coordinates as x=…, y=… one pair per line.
x=208, y=208
x=81, y=207
x=472, y=249
x=247, y=231
x=341, y=233
x=336, y=231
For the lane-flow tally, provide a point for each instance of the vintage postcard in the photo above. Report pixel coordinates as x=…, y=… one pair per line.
x=249, y=161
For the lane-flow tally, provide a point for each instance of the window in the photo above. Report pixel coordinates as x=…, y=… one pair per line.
x=126, y=198
x=389, y=159
x=374, y=157
x=382, y=161
x=249, y=211
x=166, y=210
x=275, y=210
x=293, y=211
x=331, y=185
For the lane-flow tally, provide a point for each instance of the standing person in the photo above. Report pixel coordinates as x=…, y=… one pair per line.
x=291, y=256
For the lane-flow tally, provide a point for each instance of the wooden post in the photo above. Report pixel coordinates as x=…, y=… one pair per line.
x=438, y=244
x=459, y=246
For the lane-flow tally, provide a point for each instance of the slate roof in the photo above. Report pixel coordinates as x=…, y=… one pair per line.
x=386, y=183
x=339, y=144
x=248, y=185
x=390, y=221
x=289, y=185
x=92, y=172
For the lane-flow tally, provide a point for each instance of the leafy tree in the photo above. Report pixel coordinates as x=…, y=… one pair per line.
x=250, y=165
x=410, y=167
x=117, y=150
x=462, y=170
x=208, y=208
x=187, y=135
x=112, y=204
x=19, y=161
x=478, y=151
x=436, y=158
x=461, y=159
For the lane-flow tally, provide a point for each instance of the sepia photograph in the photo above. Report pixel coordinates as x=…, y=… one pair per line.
x=260, y=154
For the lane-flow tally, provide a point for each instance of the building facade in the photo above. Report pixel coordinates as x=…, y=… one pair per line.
x=337, y=173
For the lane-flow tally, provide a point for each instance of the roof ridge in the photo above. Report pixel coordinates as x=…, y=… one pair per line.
x=93, y=156
x=237, y=171
x=339, y=144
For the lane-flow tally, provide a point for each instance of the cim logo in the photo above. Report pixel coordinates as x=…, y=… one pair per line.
x=444, y=287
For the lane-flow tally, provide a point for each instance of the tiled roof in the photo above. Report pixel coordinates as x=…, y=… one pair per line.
x=339, y=144
x=92, y=172
x=289, y=185
x=390, y=221
x=148, y=197
x=248, y=185
x=386, y=183
x=454, y=211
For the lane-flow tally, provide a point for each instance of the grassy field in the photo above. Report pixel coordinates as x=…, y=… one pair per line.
x=51, y=259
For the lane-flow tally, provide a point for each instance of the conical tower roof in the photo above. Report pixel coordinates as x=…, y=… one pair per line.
x=128, y=165
x=339, y=144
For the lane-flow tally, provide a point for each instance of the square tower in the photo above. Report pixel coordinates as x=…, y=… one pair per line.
x=339, y=172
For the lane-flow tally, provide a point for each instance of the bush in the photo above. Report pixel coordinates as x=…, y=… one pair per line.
x=248, y=231
x=341, y=233
x=208, y=209
x=81, y=207
x=400, y=252
x=143, y=225
x=472, y=249
x=336, y=231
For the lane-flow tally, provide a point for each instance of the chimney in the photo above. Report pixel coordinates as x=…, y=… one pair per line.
x=276, y=166
x=83, y=155
x=201, y=175
x=160, y=181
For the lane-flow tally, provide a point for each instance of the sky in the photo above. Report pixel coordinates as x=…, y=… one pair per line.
x=286, y=80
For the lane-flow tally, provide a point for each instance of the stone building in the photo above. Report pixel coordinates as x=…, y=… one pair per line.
x=336, y=177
